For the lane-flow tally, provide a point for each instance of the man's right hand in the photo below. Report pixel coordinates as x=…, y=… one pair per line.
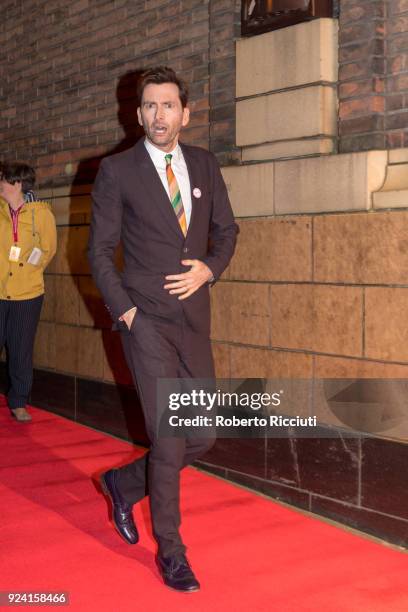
x=128, y=316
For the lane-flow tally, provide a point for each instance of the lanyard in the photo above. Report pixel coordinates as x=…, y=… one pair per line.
x=14, y=219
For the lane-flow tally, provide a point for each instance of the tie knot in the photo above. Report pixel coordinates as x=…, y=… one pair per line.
x=168, y=158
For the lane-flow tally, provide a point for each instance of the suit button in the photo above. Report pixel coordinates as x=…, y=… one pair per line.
x=185, y=250
x=21, y=265
x=10, y=274
x=8, y=297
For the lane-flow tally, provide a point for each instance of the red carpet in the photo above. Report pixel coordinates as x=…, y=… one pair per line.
x=248, y=552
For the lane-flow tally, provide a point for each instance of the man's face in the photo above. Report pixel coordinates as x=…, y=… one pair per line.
x=161, y=114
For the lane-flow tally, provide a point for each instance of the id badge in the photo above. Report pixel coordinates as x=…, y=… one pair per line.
x=14, y=253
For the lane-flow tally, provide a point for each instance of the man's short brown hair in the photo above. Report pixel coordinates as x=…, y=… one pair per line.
x=158, y=76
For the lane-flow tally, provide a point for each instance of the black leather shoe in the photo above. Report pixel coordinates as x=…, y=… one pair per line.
x=121, y=510
x=177, y=573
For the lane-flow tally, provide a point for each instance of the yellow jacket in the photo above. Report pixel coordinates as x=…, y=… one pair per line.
x=20, y=280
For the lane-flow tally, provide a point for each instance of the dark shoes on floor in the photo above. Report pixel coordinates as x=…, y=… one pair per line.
x=121, y=510
x=21, y=414
x=175, y=570
x=177, y=573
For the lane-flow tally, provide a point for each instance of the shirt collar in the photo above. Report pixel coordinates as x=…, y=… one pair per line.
x=158, y=156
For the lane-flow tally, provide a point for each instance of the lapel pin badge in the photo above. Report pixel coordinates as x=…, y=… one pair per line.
x=197, y=192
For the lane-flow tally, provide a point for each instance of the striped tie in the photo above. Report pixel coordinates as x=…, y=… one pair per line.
x=175, y=195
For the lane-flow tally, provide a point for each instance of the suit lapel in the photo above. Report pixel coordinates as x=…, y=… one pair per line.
x=154, y=186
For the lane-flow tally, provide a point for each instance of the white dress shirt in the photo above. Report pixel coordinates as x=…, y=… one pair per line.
x=179, y=168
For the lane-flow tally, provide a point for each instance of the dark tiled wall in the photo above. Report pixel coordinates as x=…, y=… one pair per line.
x=114, y=409
x=360, y=482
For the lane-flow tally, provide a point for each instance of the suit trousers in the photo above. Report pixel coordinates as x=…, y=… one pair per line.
x=159, y=348
x=18, y=325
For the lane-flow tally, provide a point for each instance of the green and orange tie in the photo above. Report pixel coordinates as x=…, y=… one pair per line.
x=175, y=195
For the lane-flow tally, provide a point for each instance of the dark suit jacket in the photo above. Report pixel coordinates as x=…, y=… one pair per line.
x=131, y=205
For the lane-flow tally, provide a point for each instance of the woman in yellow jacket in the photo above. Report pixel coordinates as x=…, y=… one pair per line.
x=27, y=244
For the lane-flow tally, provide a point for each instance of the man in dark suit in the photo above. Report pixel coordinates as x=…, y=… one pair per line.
x=168, y=205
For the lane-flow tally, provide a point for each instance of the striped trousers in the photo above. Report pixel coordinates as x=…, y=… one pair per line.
x=18, y=325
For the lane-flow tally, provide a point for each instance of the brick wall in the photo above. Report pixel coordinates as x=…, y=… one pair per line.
x=225, y=27
x=396, y=102
x=373, y=74
x=68, y=74
x=362, y=74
